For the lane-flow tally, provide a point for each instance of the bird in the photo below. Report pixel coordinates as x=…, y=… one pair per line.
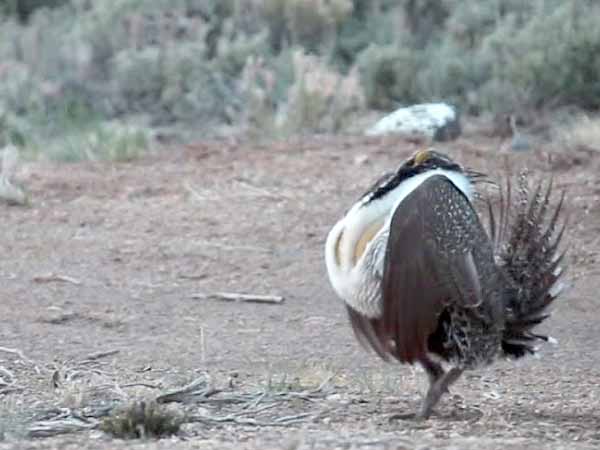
x=427, y=281
x=506, y=127
x=519, y=142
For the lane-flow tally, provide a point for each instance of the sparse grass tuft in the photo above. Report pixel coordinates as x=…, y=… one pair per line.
x=142, y=420
x=583, y=133
x=103, y=141
x=13, y=420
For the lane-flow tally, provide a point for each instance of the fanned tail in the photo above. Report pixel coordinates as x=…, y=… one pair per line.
x=526, y=237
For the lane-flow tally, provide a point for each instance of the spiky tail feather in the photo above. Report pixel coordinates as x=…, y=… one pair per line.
x=526, y=243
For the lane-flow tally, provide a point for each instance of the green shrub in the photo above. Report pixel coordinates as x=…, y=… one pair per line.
x=389, y=75
x=182, y=66
x=555, y=55
x=320, y=98
x=491, y=56
x=23, y=9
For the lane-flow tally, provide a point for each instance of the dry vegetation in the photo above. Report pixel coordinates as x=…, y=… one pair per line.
x=580, y=134
x=104, y=80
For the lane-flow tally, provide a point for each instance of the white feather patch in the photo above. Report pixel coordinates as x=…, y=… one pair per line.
x=556, y=289
x=557, y=271
x=348, y=279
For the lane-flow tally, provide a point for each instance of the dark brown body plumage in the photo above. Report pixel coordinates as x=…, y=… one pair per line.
x=455, y=309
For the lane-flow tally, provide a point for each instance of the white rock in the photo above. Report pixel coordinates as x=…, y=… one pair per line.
x=361, y=159
x=436, y=121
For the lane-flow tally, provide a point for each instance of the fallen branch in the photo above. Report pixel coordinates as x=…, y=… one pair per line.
x=100, y=355
x=52, y=277
x=197, y=390
x=105, y=387
x=235, y=297
x=61, y=426
x=237, y=419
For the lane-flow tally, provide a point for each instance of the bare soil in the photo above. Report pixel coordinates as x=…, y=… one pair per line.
x=111, y=257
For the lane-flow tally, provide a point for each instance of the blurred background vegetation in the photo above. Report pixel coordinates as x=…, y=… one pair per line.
x=85, y=79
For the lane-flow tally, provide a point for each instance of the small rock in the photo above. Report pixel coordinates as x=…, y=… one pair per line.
x=360, y=160
x=436, y=121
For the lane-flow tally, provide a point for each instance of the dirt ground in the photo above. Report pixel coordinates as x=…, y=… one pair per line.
x=111, y=258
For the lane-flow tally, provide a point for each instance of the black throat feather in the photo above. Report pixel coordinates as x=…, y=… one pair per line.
x=435, y=160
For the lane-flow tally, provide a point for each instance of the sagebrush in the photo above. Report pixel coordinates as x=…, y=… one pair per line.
x=182, y=67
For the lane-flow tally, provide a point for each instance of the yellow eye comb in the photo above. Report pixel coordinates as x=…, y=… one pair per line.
x=421, y=156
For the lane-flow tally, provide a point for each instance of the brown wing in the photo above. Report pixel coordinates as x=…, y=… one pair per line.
x=429, y=264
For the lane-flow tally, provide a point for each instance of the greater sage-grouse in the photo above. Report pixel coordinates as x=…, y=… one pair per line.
x=422, y=280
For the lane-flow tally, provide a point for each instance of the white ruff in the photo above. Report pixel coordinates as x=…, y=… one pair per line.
x=349, y=278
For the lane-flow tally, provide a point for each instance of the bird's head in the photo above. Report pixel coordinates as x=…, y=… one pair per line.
x=419, y=163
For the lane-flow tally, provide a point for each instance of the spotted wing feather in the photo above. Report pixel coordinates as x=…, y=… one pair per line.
x=429, y=264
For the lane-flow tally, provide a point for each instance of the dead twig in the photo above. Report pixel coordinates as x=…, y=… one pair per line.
x=202, y=346
x=258, y=191
x=234, y=418
x=197, y=390
x=239, y=191
x=105, y=387
x=65, y=425
x=100, y=355
x=52, y=277
x=11, y=389
x=288, y=420
x=235, y=297
x=17, y=352
x=7, y=373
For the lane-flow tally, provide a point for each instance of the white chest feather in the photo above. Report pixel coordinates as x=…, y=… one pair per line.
x=355, y=246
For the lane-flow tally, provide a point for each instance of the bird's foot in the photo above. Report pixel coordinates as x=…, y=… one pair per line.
x=438, y=386
x=402, y=416
x=415, y=416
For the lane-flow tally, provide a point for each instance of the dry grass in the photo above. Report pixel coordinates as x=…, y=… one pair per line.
x=142, y=420
x=582, y=134
x=86, y=397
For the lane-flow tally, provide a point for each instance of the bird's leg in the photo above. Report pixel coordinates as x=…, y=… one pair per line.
x=436, y=390
x=435, y=372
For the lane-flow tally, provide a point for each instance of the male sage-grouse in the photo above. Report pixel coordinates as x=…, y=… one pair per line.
x=422, y=280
